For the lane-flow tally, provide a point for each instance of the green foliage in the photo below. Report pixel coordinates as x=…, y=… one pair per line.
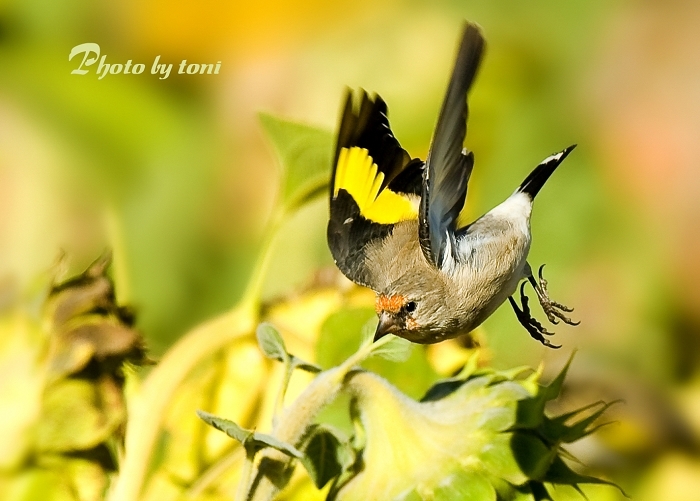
x=471, y=437
x=75, y=419
x=480, y=435
x=272, y=346
x=339, y=339
x=327, y=454
x=304, y=153
x=72, y=438
x=252, y=441
x=271, y=343
x=396, y=350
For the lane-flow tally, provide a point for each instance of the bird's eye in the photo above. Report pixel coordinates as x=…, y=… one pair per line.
x=411, y=306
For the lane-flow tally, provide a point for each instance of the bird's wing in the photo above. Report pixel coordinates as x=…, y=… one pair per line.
x=375, y=184
x=449, y=165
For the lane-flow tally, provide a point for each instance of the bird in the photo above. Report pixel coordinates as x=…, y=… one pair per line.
x=395, y=223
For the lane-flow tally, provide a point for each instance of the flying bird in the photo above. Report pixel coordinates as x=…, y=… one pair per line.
x=395, y=224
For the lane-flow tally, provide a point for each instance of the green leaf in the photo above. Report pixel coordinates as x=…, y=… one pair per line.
x=539, y=491
x=252, y=441
x=533, y=456
x=530, y=414
x=298, y=363
x=263, y=440
x=339, y=339
x=560, y=473
x=506, y=491
x=305, y=155
x=513, y=373
x=552, y=390
x=442, y=389
x=556, y=430
x=505, y=388
x=271, y=343
x=368, y=330
x=272, y=346
x=326, y=455
x=227, y=426
x=396, y=350
x=340, y=334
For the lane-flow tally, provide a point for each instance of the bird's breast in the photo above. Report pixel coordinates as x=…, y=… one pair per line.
x=488, y=272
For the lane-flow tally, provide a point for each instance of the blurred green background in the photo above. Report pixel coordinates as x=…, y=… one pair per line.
x=177, y=175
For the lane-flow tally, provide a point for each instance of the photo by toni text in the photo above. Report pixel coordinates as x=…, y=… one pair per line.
x=91, y=53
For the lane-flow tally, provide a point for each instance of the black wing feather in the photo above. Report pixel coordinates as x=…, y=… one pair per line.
x=369, y=128
x=349, y=232
x=448, y=165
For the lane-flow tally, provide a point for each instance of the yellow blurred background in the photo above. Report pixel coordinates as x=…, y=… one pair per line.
x=177, y=173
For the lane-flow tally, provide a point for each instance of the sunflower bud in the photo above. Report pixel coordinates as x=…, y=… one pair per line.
x=474, y=437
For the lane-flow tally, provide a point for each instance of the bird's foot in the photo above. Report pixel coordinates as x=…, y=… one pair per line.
x=536, y=329
x=554, y=311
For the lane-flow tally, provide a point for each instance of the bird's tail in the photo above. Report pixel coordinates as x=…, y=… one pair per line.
x=536, y=179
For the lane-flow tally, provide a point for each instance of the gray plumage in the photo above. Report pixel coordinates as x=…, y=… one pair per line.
x=490, y=261
x=433, y=280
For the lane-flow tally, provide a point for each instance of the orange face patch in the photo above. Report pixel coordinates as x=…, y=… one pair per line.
x=392, y=304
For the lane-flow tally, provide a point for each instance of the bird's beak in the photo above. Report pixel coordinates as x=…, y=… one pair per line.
x=387, y=325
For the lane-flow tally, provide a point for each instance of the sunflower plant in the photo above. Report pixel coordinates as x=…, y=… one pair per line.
x=287, y=400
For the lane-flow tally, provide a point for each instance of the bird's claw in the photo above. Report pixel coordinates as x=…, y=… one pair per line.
x=533, y=327
x=554, y=311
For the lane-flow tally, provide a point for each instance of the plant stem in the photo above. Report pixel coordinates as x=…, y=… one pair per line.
x=295, y=420
x=279, y=401
x=147, y=409
x=242, y=493
x=253, y=292
x=360, y=355
x=214, y=472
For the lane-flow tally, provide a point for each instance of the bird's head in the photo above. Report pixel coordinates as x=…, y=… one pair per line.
x=415, y=312
x=396, y=314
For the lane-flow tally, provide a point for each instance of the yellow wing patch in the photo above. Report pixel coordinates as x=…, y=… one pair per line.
x=357, y=174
